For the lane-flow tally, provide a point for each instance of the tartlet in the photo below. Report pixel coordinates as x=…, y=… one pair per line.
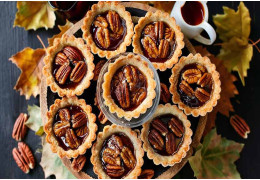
x=129, y=86
x=108, y=29
x=195, y=85
x=167, y=135
x=71, y=127
x=117, y=153
x=158, y=38
x=68, y=66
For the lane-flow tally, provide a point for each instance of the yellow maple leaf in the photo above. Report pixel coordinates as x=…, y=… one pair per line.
x=34, y=15
x=30, y=62
x=63, y=29
x=161, y=5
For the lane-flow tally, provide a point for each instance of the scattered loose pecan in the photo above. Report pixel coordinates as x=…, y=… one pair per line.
x=20, y=129
x=114, y=21
x=103, y=37
x=155, y=139
x=185, y=87
x=60, y=128
x=170, y=144
x=146, y=174
x=64, y=114
x=169, y=34
x=191, y=75
x=164, y=48
x=71, y=139
x=63, y=73
x=202, y=95
x=98, y=68
x=150, y=47
x=101, y=22
x=205, y=80
x=176, y=126
x=61, y=59
x=72, y=53
x=78, y=72
x=78, y=163
x=114, y=171
x=128, y=157
x=79, y=120
x=159, y=126
x=240, y=126
x=165, y=94
x=123, y=95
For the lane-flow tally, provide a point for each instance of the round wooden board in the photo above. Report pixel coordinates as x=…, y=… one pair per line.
x=171, y=171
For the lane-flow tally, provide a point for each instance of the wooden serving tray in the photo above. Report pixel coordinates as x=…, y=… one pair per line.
x=47, y=98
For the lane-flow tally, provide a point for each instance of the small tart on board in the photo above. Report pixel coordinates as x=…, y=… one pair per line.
x=129, y=86
x=167, y=135
x=108, y=29
x=158, y=38
x=117, y=153
x=195, y=85
x=68, y=66
x=71, y=127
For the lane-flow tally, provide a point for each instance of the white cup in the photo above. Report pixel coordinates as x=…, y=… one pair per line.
x=194, y=31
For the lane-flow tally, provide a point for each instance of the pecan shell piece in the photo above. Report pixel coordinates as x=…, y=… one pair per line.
x=170, y=144
x=78, y=72
x=101, y=22
x=61, y=59
x=123, y=95
x=64, y=114
x=79, y=119
x=72, y=53
x=159, y=126
x=146, y=174
x=156, y=140
x=63, y=73
x=205, y=80
x=128, y=157
x=185, y=87
x=165, y=94
x=176, y=126
x=114, y=21
x=164, y=48
x=202, y=95
x=191, y=75
x=20, y=129
x=98, y=68
x=71, y=139
x=240, y=126
x=150, y=47
x=60, y=128
x=78, y=163
x=114, y=171
x=103, y=37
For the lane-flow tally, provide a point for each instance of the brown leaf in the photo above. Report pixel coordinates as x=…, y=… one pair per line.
x=228, y=89
x=161, y=5
x=29, y=61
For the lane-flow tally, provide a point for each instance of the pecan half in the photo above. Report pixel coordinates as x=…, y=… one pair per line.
x=201, y=68
x=164, y=48
x=165, y=94
x=78, y=163
x=111, y=152
x=64, y=114
x=146, y=174
x=116, y=35
x=150, y=47
x=240, y=126
x=20, y=129
x=138, y=96
x=78, y=72
x=71, y=139
x=191, y=75
x=61, y=59
x=101, y=22
x=159, y=30
x=60, y=128
x=79, y=120
x=103, y=37
x=81, y=131
x=111, y=160
x=202, y=95
x=123, y=95
x=73, y=53
x=128, y=157
x=170, y=144
x=159, y=126
x=155, y=139
x=114, y=21
x=185, y=87
x=117, y=142
x=98, y=68
x=169, y=34
x=131, y=76
x=176, y=126
x=114, y=171
x=205, y=80
x=150, y=30
x=63, y=73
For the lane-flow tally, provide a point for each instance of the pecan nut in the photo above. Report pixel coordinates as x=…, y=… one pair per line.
x=79, y=120
x=138, y=96
x=81, y=131
x=170, y=144
x=71, y=139
x=116, y=35
x=123, y=95
x=191, y=75
x=78, y=72
x=61, y=59
x=185, y=87
x=117, y=142
x=63, y=73
x=131, y=76
x=78, y=163
x=64, y=114
x=156, y=139
x=146, y=174
x=169, y=34
x=98, y=68
x=101, y=22
x=103, y=37
x=165, y=94
x=60, y=128
x=159, y=30
x=201, y=68
x=164, y=48
x=205, y=80
x=176, y=126
x=202, y=95
x=150, y=47
x=111, y=160
x=128, y=157
x=102, y=118
x=150, y=30
x=72, y=53
x=20, y=129
x=159, y=126
x=240, y=126
x=111, y=152
x=114, y=171
x=114, y=21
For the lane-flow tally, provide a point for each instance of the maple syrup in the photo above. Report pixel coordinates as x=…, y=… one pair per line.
x=192, y=12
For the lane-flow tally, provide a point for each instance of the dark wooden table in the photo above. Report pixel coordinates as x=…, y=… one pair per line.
x=12, y=40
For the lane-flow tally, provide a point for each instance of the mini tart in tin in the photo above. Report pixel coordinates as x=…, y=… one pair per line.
x=167, y=135
x=129, y=86
x=68, y=66
x=71, y=127
x=195, y=85
x=117, y=153
x=108, y=29
x=158, y=38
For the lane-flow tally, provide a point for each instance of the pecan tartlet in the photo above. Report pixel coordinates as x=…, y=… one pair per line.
x=108, y=29
x=68, y=66
x=167, y=135
x=158, y=38
x=195, y=85
x=129, y=86
x=71, y=127
x=117, y=153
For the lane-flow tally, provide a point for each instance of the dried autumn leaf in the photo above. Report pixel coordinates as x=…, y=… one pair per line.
x=35, y=122
x=63, y=29
x=161, y=5
x=228, y=89
x=34, y=15
x=29, y=61
x=215, y=158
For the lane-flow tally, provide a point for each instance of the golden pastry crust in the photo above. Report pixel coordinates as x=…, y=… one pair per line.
x=184, y=148
x=58, y=45
x=102, y=136
x=142, y=65
x=100, y=8
x=215, y=94
x=48, y=127
x=153, y=17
